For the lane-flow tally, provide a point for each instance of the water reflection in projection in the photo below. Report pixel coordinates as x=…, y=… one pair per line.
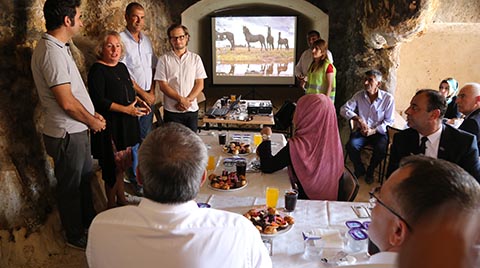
x=266, y=69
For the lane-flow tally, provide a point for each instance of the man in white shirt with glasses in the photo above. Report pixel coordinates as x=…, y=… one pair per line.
x=180, y=74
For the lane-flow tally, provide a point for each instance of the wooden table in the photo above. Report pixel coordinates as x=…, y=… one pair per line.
x=257, y=120
x=232, y=117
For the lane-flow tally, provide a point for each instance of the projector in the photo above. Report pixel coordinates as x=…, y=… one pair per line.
x=261, y=107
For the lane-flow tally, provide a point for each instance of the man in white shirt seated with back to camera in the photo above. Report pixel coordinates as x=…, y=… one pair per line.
x=168, y=229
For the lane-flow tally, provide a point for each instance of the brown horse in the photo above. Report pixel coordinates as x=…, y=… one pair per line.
x=226, y=36
x=270, y=39
x=282, y=41
x=254, y=38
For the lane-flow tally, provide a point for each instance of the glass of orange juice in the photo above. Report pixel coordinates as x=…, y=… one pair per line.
x=272, y=196
x=257, y=139
x=211, y=163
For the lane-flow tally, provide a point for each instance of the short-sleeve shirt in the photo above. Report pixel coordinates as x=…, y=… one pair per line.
x=139, y=58
x=180, y=74
x=53, y=65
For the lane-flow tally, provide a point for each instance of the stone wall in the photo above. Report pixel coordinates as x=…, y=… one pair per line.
x=449, y=47
x=363, y=34
x=30, y=231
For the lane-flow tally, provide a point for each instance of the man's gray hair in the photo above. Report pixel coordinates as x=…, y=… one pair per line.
x=378, y=75
x=171, y=161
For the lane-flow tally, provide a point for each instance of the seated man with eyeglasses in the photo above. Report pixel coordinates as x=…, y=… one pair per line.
x=422, y=185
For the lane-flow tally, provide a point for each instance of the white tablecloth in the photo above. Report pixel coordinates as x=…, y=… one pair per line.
x=309, y=215
x=257, y=181
x=288, y=248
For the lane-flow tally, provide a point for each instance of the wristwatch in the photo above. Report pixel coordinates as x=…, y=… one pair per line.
x=265, y=137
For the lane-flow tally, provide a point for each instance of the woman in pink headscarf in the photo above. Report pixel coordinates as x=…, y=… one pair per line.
x=314, y=154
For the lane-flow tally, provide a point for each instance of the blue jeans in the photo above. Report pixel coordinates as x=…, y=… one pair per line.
x=135, y=158
x=145, y=123
x=357, y=142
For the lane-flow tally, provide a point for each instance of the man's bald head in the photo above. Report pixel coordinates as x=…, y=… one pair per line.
x=468, y=98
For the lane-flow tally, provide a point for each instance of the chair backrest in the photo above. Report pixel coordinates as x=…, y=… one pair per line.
x=284, y=116
x=348, y=186
x=158, y=112
x=351, y=124
x=391, y=131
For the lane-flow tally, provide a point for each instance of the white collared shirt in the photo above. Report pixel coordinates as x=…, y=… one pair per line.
x=377, y=114
x=384, y=257
x=180, y=74
x=182, y=235
x=433, y=143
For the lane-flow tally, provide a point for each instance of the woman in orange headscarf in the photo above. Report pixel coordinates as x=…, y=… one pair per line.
x=314, y=154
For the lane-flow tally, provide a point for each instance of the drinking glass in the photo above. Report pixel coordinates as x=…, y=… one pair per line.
x=241, y=167
x=222, y=138
x=313, y=245
x=211, y=163
x=291, y=199
x=272, y=196
x=257, y=139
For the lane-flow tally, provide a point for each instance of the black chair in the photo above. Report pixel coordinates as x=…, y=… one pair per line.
x=348, y=186
x=381, y=166
x=391, y=131
x=157, y=111
x=283, y=118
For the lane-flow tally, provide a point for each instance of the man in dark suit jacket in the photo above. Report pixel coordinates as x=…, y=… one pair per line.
x=424, y=117
x=468, y=102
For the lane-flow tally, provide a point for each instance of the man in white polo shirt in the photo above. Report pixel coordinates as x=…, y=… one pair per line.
x=68, y=113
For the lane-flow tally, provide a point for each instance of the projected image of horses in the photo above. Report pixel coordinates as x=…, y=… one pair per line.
x=250, y=46
x=250, y=38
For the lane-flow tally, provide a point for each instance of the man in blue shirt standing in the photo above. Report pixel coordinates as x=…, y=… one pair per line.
x=371, y=110
x=140, y=60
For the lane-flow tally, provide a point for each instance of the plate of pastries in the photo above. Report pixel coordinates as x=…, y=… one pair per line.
x=269, y=221
x=237, y=148
x=228, y=181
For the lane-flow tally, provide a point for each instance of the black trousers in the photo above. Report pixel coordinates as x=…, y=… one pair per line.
x=188, y=119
